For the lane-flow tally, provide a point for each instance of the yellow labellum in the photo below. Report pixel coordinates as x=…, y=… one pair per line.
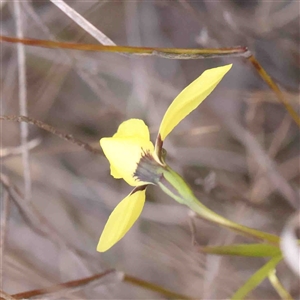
x=190, y=98
x=133, y=128
x=124, y=149
x=121, y=220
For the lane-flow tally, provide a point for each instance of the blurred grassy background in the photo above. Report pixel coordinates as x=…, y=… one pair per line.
x=89, y=94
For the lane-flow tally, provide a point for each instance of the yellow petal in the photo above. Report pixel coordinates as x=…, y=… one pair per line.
x=135, y=128
x=123, y=155
x=121, y=220
x=125, y=148
x=190, y=98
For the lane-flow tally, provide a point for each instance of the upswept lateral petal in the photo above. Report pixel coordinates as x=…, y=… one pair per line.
x=190, y=98
x=121, y=219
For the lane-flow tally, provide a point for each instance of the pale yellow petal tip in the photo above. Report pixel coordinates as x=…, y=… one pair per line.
x=224, y=69
x=218, y=72
x=103, y=247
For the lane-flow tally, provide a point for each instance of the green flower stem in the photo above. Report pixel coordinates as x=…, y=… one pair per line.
x=184, y=195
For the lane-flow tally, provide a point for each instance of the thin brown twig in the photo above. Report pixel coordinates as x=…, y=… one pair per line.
x=5, y=296
x=265, y=76
x=84, y=281
x=153, y=287
x=59, y=287
x=53, y=130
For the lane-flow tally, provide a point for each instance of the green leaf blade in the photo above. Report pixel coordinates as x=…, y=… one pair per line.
x=256, y=278
x=252, y=250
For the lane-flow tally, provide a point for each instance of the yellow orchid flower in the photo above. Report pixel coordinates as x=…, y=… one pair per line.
x=133, y=157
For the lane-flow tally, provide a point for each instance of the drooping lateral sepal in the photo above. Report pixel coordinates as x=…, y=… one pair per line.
x=122, y=218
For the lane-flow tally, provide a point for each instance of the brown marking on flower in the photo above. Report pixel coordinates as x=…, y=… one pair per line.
x=139, y=188
x=148, y=169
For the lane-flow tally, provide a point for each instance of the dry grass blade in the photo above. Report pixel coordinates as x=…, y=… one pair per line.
x=83, y=23
x=265, y=76
x=6, y=152
x=5, y=296
x=5, y=208
x=23, y=100
x=266, y=164
x=53, y=130
x=171, y=53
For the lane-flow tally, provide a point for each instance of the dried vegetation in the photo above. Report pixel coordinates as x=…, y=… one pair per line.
x=239, y=151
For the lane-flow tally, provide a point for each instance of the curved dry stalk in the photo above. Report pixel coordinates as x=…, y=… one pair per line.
x=84, y=281
x=53, y=130
x=269, y=81
x=62, y=286
x=170, y=53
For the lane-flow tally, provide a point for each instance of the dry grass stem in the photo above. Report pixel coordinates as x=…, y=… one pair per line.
x=6, y=152
x=263, y=160
x=83, y=23
x=80, y=283
x=38, y=222
x=23, y=100
x=53, y=130
x=5, y=209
